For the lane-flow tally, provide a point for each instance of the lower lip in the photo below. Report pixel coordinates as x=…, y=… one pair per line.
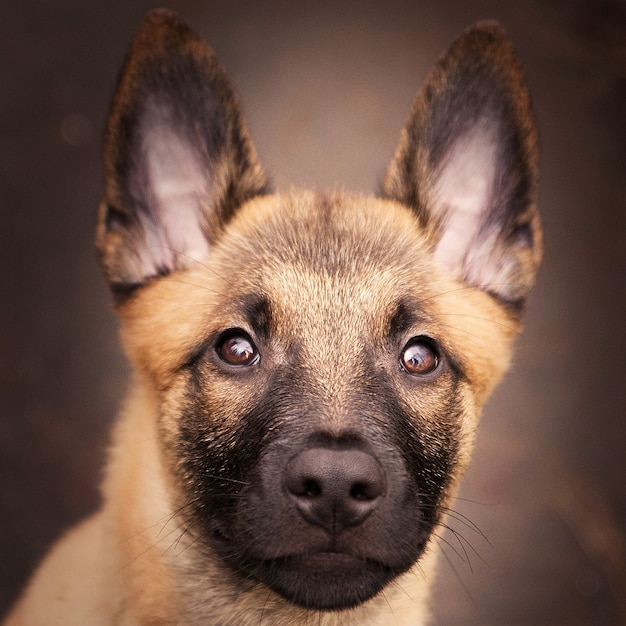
x=330, y=558
x=323, y=561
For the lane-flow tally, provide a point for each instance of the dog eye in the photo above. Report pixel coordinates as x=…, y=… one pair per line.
x=236, y=348
x=419, y=356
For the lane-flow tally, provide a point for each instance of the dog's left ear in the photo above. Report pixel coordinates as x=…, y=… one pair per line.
x=467, y=166
x=178, y=158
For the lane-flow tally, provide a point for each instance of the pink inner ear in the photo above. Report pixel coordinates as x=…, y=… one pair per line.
x=463, y=191
x=177, y=186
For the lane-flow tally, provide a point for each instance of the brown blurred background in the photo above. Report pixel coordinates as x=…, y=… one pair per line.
x=326, y=87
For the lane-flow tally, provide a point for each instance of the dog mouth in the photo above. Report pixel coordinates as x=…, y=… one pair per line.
x=326, y=580
x=328, y=576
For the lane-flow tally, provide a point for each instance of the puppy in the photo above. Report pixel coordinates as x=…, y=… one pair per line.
x=309, y=367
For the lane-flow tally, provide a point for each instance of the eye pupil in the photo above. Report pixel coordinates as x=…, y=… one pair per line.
x=237, y=350
x=419, y=357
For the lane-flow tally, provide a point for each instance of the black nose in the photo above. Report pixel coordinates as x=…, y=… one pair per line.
x=335, y=489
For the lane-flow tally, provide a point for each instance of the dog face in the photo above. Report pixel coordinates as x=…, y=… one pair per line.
x=318, y=362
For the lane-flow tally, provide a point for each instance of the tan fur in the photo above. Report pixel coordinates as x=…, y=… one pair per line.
x=334, y=268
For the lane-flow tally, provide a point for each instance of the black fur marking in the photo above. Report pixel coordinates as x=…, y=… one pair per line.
x=404, y=318
x=257, y=311
x=233, y=467
x=122, y=292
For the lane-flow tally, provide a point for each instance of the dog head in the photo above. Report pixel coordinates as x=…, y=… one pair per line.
x=318, y=360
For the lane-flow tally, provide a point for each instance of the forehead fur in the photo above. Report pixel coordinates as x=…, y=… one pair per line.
x=336, y=249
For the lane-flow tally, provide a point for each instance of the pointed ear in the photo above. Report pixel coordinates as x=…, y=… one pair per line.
x=467, y=165
x=178, y=159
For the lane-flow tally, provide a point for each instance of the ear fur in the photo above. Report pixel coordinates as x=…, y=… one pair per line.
x=178, y=158
x=467, y=166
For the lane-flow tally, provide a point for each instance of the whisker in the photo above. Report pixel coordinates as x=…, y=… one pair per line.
x=463, y=519
x=267, y=599
x=471, y=501
x=194, y=259
x=482, y=319
x=145, y=551
x=441, y=294
x=462, y=556
x=481, y=287
x=481, y=339
x=190, y=284
x=462, y=541
x=386, y=599
x=458, y=577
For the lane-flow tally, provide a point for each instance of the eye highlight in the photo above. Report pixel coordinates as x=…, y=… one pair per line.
x=419, y=357
x=237, y=349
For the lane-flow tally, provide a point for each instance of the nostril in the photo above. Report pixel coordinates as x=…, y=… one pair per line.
x=302, y=485
x=312, y=488
x=363, y=492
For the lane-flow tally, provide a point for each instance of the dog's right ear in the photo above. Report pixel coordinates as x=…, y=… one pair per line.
x=178, y=158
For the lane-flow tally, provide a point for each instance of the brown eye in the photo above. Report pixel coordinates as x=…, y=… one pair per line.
x=237, y=349
x=419, y=357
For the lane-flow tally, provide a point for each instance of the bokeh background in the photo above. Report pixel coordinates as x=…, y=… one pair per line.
x=325, y=87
